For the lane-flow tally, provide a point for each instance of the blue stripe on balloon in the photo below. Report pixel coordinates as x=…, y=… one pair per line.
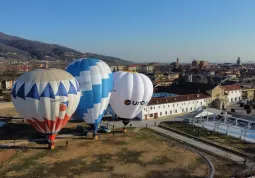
x=33, y=93
x=61, y=90
x=97, y=93
x=92, y=61
x=13, y=93
x=21, y=91
x=84, y=66
x=110, y=82
x=75, y=67
x=87, y=100
x=72, y=89
x=48, y=92
x=105, y=88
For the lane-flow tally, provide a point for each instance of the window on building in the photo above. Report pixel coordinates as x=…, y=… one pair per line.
x=197, y=101
x=151, y=115
x=161, y=113
x=166, y=113
x=154, y=108
x=170, y=112
x=168, y=105
x=175, y=111
x=204, y=100
x=182, y=110
x=231, y=99
x=177, y=105
x=235, y=98
x=188, y=102
x=186, y=109
x=173, y=105
x=151, y=107
x=201, y=103
x=239, y=98
x=158, y=106
x=191, y=108
x=164, y=106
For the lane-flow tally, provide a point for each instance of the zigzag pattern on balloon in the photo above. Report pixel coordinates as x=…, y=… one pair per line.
x=47, y=91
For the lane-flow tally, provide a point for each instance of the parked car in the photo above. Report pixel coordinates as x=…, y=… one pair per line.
x=247, y=106
x=105, y=129
x=248, y=111
x=83, y=131
x=79, y=128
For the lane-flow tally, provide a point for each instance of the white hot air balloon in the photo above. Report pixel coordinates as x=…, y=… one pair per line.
x=46, y=99
x=131, y=93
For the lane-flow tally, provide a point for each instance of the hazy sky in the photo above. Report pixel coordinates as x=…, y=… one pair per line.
x=139, y=30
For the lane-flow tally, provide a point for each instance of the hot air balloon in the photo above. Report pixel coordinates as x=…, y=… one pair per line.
x=131, y=93
x=46, y=99
x=96, y=82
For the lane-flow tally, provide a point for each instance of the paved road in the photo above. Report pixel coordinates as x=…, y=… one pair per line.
x=142, y=123
x=203, y=146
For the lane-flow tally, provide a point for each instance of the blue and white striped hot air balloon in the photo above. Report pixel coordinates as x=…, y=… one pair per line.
x=96, y=83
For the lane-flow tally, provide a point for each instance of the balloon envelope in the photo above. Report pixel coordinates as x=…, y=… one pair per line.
x=96, y=82
x=131, y=93
x=46, y=99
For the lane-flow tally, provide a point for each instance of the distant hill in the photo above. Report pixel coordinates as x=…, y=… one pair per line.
x=12, y=47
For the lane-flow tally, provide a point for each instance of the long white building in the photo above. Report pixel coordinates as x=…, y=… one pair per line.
x=159, y=107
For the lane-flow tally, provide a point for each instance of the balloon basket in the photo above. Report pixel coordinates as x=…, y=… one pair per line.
x=95, y=137
x=124, y=130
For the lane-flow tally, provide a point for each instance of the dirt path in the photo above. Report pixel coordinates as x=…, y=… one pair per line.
x=6, y=154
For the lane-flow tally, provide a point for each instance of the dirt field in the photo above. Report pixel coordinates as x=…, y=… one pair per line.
x=134, y=154
x=8, y=112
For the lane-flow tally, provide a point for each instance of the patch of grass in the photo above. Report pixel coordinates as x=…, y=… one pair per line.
x=111, y=141
x=129, y=156
x=159, y=160
x=27, y=162
x=200, y=160
x=214, y=137
x=145, y=134
x=114, y=175
x=63, y=168
x=157, y=174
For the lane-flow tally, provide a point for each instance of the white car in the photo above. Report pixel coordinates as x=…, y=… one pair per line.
x=103, y=128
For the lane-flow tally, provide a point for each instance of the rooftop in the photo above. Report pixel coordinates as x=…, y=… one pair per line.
x=231, y=87
x=180, y=98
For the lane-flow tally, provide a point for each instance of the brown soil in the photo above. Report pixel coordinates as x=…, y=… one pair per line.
x=6, y=154
x=134, y=154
